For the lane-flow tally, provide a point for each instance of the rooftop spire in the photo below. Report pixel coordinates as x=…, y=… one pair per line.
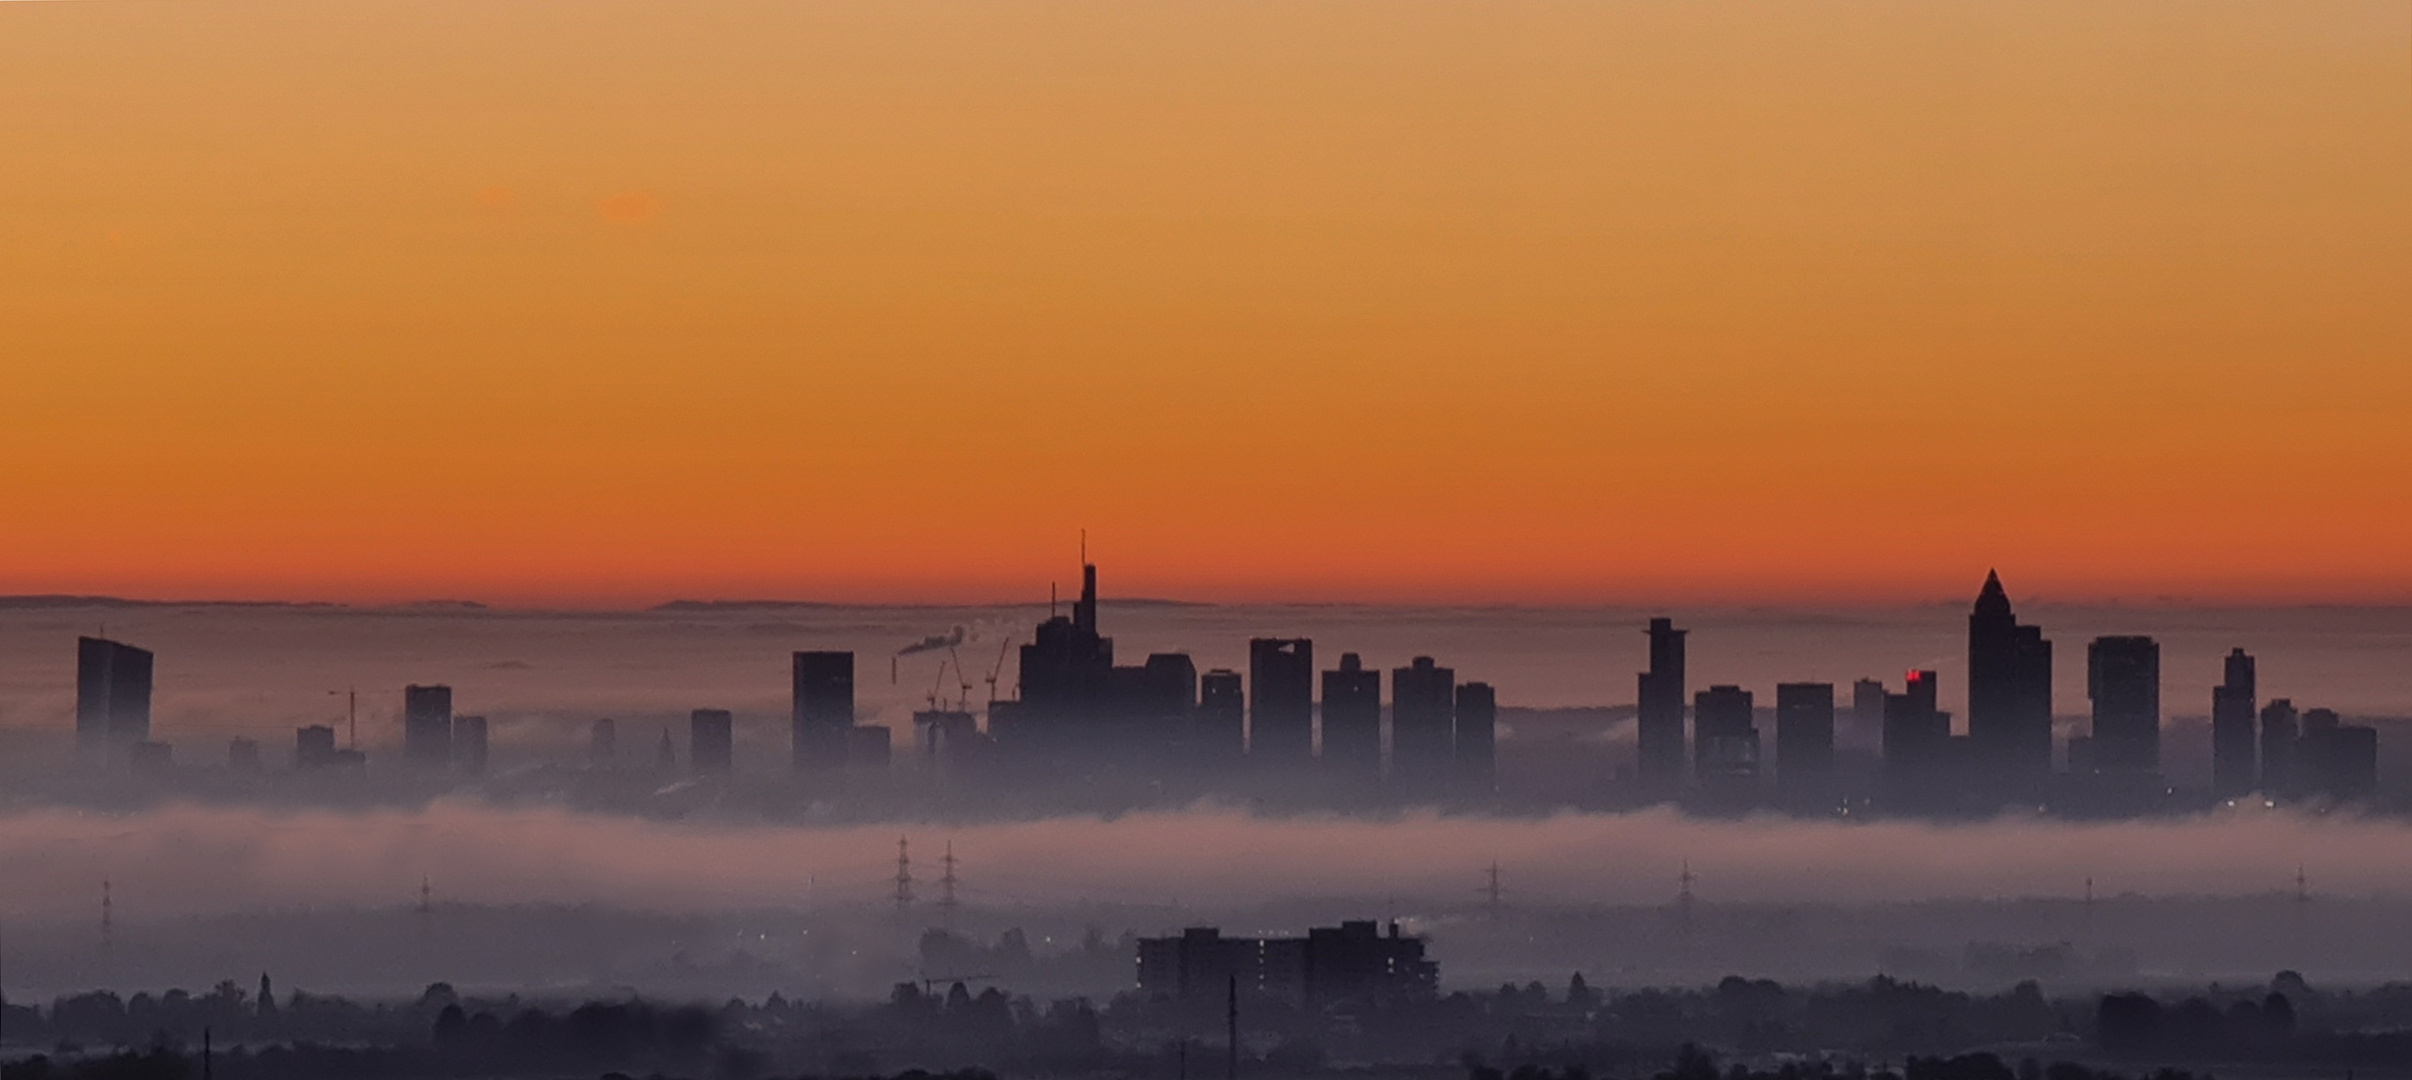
x=1993, y=599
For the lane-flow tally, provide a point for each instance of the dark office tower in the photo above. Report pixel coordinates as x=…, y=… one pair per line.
x=2009, y=694
x=869, y=746
x=1067, y=679
x=314, y=747
x=2123, y=677
x=823, y=708
x=1219, y=729
x=243, y=754
x=2235, y=766
x=1281, y=700
x=2279, y=730
x=603, y=743
x=1867, y=704
x=711, y=741
x=1725, y=743
x=1477, y=731
x=1423, y=720
x=469, y=743
x=1659, y=727
x=112, y=700
x=427, y=725
x=2335, y=760
x=1168, y=687
x=1352, y=718
x=1917, y=738
x=1805, y=736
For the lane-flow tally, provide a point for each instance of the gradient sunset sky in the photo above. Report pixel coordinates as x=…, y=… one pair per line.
x=600, y=302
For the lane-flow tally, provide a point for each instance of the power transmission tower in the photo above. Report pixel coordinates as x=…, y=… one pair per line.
x=1683, y=897
x=108, y=919
x=1491, y=892
x=426, y=897
x=904, y=874
x=946, y=881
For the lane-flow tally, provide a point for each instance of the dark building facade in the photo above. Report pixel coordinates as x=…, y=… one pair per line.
x=1354, y=963
x=1477, y=732
x=1804, y=719
x=2279, y=730
x=1066, y=673
x=2235, y=757
x=1659, y=708
x=2009, y=695
x=1281, y=700
x=1725, y=740
x=1352, y=718
x=1219, y=729
x=1917, y=742
x=469, y=743
x=314, y=746
x=2335, y=760
x=2123, y=677
x=427, y=725
x=711, y=741
x=112, y=700
x=822, y=708
x=1423, y=721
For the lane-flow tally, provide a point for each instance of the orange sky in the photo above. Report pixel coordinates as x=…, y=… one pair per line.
x=606, y=302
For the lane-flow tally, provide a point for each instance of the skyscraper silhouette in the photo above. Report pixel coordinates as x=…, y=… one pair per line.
x=1917, y=742
x=112, y=700
x=2009, y=694
x=1659, y=720
x=1477, y=732
x=469, y=743
x=1352, y=718
x=711, y=741
x=1067, y=673
x=2123, y=677
x=2279, y=728
x=1281, y=700
x=822, y=708
x=1804, y=761
x=1725, y=740
x=1423, y=721
x=427, y=725
x=1219, y=729
x=2235, y=763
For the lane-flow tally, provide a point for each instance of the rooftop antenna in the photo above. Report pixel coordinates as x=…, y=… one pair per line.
x=904, y=874
x=947, y=881
x=1491, y=892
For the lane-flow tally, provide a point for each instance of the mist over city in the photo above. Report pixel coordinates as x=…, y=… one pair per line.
x=1205, y=540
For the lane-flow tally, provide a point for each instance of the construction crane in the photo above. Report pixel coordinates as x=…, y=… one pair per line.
x=936, y=683
x=962, y=678
x=998, y=668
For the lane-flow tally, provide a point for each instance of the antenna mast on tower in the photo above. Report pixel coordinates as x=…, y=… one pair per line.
x=904, y=874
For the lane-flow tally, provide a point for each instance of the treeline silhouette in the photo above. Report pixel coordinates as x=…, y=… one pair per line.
x=1527, y=1032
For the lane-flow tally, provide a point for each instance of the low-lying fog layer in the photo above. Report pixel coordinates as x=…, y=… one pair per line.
x=192, y=860
x=542, y=898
